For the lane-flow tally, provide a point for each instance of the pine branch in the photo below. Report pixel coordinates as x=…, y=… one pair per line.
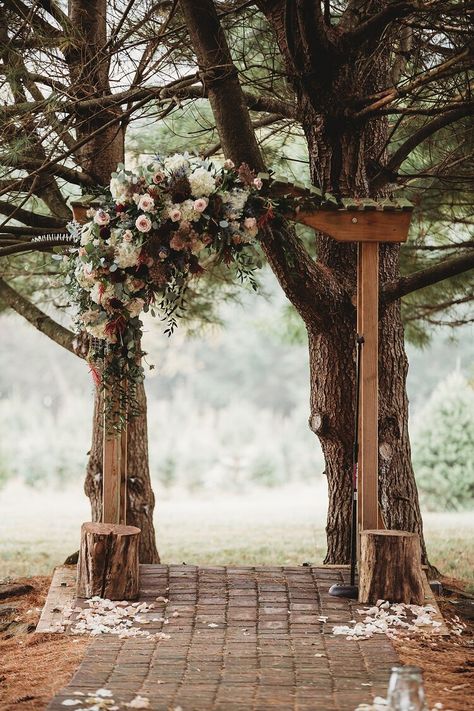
x=44, y=323
x=418, y=137
x=373, y=27
x=426, y=277
x=32, y=219
x=160, y=93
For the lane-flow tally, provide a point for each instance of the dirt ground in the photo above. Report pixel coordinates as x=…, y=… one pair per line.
x=447, y=662
x=35, y=666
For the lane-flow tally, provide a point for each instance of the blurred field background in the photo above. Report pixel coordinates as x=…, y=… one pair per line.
x=237, y=473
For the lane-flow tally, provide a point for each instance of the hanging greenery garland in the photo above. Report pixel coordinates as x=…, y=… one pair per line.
x=145, y=239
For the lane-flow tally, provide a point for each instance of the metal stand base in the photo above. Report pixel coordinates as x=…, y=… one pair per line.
x=350, y=591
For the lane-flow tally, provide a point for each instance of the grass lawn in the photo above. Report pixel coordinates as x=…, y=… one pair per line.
x=39, y=529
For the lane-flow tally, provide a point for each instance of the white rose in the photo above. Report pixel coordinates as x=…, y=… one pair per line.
x=119, y=190
x=87, y=233
x=146, y=203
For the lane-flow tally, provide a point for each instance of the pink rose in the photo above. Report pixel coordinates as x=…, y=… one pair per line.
x=250, y=223
x=146, y=203
x=143, y=223
x=200, y=204
x=229, y=164
x=158, y=177
x=101, y=218
x=258, y=183
x=175, y=214
x=128, y=235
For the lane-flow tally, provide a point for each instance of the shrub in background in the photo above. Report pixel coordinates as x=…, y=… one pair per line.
x=443, y=446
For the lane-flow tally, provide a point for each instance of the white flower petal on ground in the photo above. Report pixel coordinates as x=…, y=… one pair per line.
x=104, y=693
x=139, y=702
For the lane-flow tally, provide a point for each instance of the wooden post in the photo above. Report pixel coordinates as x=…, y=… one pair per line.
x=114, y=454
x=108, y=561
x=114, y=480
x=367, y=326
x=390, y=567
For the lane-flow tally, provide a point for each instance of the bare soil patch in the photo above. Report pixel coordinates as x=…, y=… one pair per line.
x=34, y=666
x=447, y=662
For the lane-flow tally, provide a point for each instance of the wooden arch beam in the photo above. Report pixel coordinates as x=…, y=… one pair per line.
x=367, y=223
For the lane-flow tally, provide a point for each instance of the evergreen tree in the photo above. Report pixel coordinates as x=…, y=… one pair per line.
x=443, y=446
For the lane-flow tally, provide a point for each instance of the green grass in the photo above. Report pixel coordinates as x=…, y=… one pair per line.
x=38, y=530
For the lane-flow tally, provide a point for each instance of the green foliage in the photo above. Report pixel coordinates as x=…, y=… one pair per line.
x=443, y=446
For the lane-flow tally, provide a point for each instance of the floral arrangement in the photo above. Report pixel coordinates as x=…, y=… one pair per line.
x=150, y=233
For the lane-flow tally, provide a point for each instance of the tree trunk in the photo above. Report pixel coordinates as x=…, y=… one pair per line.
x=332, y=359
x=89, y=73
x=140, y=497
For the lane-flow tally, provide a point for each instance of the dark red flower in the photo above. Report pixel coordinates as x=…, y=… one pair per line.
x=116, y=326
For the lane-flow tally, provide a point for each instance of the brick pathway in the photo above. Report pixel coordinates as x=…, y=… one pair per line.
x=268, y=651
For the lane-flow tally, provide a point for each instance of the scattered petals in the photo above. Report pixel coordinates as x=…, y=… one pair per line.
x=139, y=702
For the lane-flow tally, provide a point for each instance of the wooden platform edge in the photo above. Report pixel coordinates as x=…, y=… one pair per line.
x=61, y=594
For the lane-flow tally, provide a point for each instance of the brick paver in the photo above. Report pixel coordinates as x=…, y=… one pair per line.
x=268, y=651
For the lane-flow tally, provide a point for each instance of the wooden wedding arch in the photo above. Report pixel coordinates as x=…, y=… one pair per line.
x=365, y=222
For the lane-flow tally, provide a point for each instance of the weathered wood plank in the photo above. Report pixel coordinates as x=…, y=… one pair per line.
x=368, y=291
x=62, y=593
x=358, y=225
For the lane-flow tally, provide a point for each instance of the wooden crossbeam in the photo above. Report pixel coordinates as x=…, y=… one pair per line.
x=358, y=225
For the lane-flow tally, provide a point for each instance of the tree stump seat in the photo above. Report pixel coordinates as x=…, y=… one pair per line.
x=390, y=567
x=108, y=561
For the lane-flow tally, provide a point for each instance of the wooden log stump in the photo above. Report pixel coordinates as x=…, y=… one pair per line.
x=108, y=561
x=390, y=567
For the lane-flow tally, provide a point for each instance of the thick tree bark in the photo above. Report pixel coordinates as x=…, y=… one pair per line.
x=390, y=568
x=89, y=72
x=108, y=562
